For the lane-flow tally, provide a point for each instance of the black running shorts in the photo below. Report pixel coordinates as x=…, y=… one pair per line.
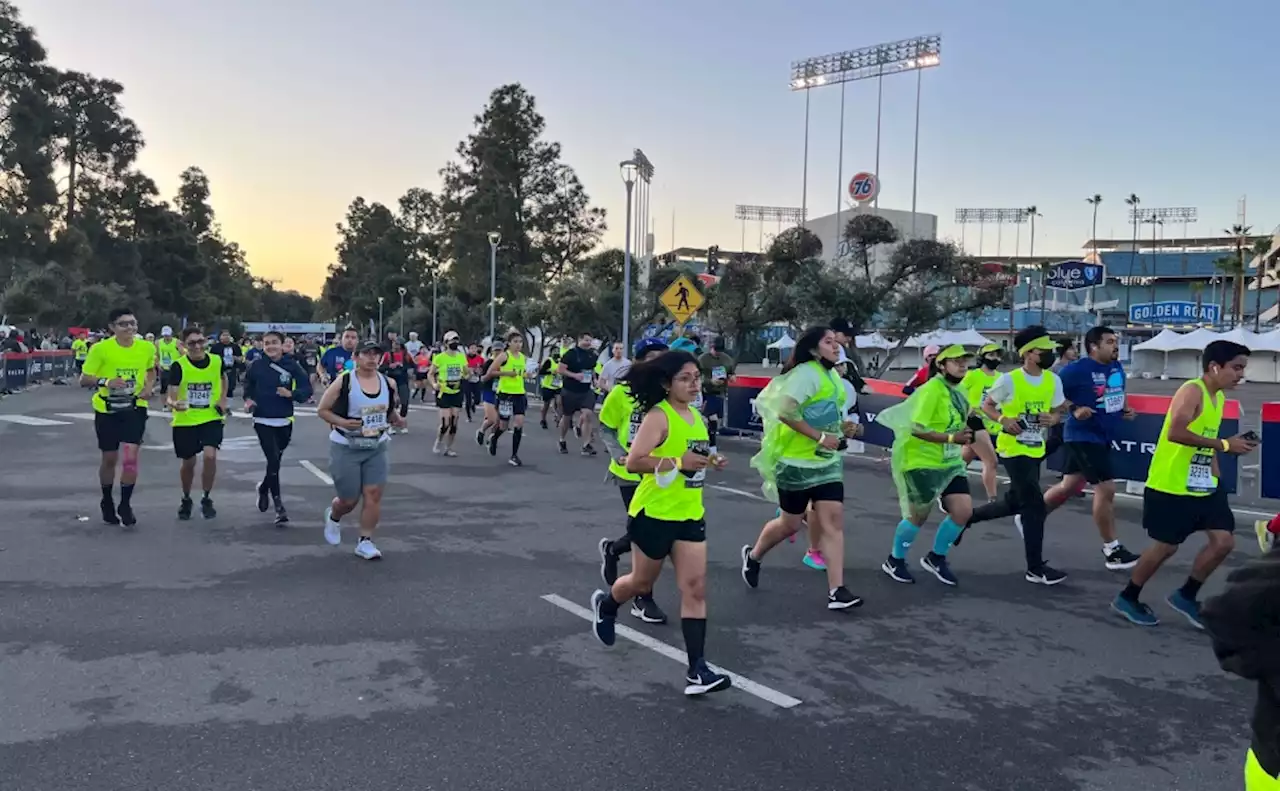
x=655, y=537
x=1090, y=459
x=793, y=501
x=188, y=441
x=1173, y=518
x=119, y=428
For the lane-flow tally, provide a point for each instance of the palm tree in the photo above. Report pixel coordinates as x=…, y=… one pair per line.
x=1197, y=291
x=1261, y=246
x=1094, y=201
x=1230, y=266
x=1241, y=233
x=1133, y=201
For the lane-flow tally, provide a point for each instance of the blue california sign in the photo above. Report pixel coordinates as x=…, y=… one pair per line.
x=1174, y=312
x=1075, y=275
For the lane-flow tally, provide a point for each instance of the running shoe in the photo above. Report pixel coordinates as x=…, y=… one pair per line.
x=1266, y=539
x=1135, y=612
x=264, y=498
x=185, y=508
x=702, y=679
x=1188, y=608
x=366, y=549
x=814, y=560
x=577, y=431
x=126, y=515
x=206, y=508
x=1045, y=575
x=436, y=447
x=647, y=610
x=493, y=444
x=750, y=568
x=602, y=626
x=450, y=453
x=109, y=513
x=332, y=530
x=564, y=446
x=940, y=567
x=587, y=450
x=282, y=516
x=543, y=423
x=842, y=599
x=897, y=570
x=480, y=437
x=514, y=461
x=608, y=562
x=1120, y=558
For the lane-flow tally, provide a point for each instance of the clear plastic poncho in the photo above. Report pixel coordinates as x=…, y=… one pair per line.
x=921, y=472
x=788, y=472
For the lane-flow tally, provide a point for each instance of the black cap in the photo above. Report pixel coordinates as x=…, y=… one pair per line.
x=842, y=326
x=369, y=345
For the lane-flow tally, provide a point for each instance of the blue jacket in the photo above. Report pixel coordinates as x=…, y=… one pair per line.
x=262, y=379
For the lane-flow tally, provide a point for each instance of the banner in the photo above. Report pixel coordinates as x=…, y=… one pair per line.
x=21, y=370
x=1130, y=450
x=1269, y=469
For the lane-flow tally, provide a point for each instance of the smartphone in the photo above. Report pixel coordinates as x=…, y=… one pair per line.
x=1251, y=435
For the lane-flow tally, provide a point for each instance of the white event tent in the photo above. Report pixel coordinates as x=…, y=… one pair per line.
x=912, y=355
x=1178, y=355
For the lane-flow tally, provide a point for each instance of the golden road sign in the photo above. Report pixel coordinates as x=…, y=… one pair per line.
x=682, y=299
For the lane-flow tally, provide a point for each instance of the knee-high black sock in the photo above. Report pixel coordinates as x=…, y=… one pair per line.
x=126, y=493
x=106, y=493
x=516, y=434
x=711, y=433
x=695, y=639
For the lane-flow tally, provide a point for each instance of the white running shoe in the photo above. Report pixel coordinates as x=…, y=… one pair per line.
x=332, y=530
x=366, y=549
x=436, y=447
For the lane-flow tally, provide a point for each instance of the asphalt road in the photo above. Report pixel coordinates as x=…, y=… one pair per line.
x=229, y=654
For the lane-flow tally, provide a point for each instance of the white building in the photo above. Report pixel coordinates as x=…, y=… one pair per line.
x=835, y=250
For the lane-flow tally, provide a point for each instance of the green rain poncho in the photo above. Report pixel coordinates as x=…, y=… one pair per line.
x=790, y=460
x=921, y=470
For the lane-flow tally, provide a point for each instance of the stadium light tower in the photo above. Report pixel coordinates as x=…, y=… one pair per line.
x=911, y=54
x=759, y=214
x=1156, y=218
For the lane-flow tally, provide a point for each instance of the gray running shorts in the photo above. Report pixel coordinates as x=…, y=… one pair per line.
x=352, y=469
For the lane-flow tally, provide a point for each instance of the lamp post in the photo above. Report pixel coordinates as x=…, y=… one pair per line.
x=380, y=332
x=494, y=238
x=435, y=304
x=628, y=170
x=402, y=291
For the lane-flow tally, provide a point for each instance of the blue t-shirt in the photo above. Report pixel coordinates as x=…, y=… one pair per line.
x=1099, y=387
x=251, y=355
x=337, y=360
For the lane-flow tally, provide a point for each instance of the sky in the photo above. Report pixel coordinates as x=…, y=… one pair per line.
x=295, y=107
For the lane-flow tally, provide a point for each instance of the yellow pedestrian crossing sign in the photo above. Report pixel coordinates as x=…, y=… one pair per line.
x=682, y=299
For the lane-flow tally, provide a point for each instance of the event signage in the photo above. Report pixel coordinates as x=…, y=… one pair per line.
x=864, y=187
x=1174, y=312
x=1075, y=275
x=290, y=328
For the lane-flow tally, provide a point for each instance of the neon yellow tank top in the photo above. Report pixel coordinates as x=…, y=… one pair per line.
x=201, y=388
x=1027, y=403
x=682, y=500
x=821, y=411
x=1182, y=469
x=619, y=412
x=512, y=385
x=975, y=385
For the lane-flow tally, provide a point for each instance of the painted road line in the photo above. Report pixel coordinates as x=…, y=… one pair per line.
x=748, y=686
x=78, y=415
x=316, y=471
x=739, y=492
x=28, y=420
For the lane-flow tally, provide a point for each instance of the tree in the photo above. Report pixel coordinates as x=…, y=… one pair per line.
x=1231, y=267
x=1261, y=246
x=95, y=138
x=865, y=231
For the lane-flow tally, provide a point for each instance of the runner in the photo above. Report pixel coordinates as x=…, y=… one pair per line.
x=550, y=384
x=255, y=353
x=339, y=358
x=575, y=369
x=272, y=385
x=421, y=371
x=929, y=433
x=975, y=385
x=489, y=394
x=1094, y=385
x=397, y=366
x=199, y=402
x=122, y=368
x=799, y=458
x=445, y=375
x=1182, y=496
x=924, y=373
x=716, y=367
x=230, y=354
x=621, y=415
x=671, y=453
x=1026, y=402
x=471, y=386
x=612, y=369
x=360, y=405
x=80, y=348
x=167, y=352
x=508, y=370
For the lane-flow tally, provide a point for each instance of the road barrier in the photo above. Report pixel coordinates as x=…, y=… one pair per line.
x=21, y=370
x=1130, y=451
x=1270, y=450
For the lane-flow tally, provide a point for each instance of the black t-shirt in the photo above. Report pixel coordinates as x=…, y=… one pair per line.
x=227, y=351
x=578, y=360
x=175, y=370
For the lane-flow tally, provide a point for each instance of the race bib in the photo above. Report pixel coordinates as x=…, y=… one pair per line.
x=697, y=402
x=453, y=374
x=373, y=421
x=695, y=479
x=166, y=359
x=505, y=408
x=634, y=426
x=1200, y=476
x=199, y=395
x=556, y=383
x=1033, y=435
x=119, y=399
x=718, y=372
x=951, y=451
x=1113, y=401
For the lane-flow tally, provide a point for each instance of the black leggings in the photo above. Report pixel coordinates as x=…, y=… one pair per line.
x=470, y=397
x=273, y=439
x=403, y=395
x=1025, y=498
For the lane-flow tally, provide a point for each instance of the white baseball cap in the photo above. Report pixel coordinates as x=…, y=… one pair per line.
x=931, y=350
x=451, y=335
x=166, y=330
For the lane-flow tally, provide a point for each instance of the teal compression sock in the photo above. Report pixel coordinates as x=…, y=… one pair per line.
x=903, y=537
x=946, y=536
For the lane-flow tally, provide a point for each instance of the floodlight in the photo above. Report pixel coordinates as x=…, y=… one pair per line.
x=911, y=54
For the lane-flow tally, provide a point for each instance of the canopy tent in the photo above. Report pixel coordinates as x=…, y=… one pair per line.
x=873, y=340
x=1166, y=341
x=913, y=349
x=779, y=350
x=1152, y=356
x=785, y=342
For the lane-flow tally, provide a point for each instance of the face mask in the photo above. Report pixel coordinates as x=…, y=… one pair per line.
x=828, y=364
x=1047, y=358
x=952, y=380
x=990, y=362
x=453, y=345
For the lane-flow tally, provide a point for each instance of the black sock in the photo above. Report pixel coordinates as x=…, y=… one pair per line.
x=711, y=435
x=1191, y=587
x=516, y=434
x=609, y=607
x=126, y=493
x=186, y=494
x=206, y=494
x=1131, y=591
x=106, y=493
x=695, y=638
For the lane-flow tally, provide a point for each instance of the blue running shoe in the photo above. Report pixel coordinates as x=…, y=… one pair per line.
x=1190, y=608
x=1134, y=611
x=703, y=679
x=602, y=625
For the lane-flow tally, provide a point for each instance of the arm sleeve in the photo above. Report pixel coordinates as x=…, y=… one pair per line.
x=175, y=375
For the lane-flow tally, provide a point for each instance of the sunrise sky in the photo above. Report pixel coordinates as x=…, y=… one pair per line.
x=295, y=107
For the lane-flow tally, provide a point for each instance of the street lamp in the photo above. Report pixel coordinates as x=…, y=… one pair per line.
x=435, y=303
x=494, y=238
x=628, y=169
x=402, y=291
x=380, y=333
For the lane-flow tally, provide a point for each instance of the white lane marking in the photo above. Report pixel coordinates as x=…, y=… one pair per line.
x=28, y=420
x=739, y=492
x=77, y=415
x=316, y=471
x=748, y=686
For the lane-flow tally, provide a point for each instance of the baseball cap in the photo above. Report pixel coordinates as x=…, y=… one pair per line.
x=646, y=345
x=931, y=350
x=451, y=335
x=1043, y=342
x=842, y=326
x=166, y=330
x=953, y=352
x=990, y=347
x=370, y=345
